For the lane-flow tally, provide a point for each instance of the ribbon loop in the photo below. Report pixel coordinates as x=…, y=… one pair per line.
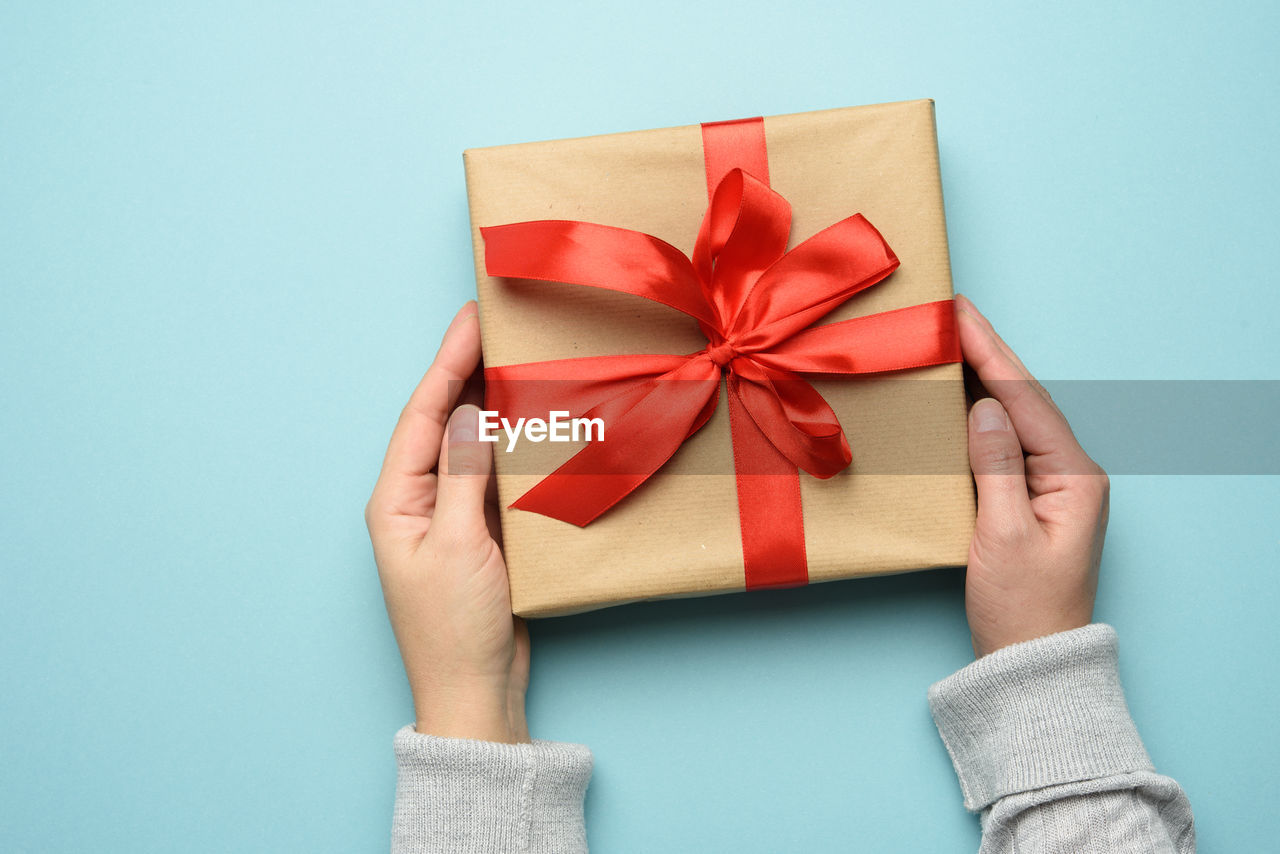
x=812, y=279
x=795, y=418
x=599, y=256
x=744, y=232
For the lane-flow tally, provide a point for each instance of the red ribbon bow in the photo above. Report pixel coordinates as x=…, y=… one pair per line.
x=755, y=302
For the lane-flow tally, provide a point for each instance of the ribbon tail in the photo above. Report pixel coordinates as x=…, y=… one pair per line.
x=637, y=443
x=769, y=507
x=534, y=389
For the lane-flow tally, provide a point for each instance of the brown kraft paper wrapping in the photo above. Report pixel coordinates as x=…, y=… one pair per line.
x=905, y=503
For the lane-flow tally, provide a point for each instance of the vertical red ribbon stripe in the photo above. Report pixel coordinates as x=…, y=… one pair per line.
x=769, y=509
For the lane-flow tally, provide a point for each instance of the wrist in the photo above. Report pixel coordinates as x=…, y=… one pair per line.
x=484, y=713
x=1015, y=632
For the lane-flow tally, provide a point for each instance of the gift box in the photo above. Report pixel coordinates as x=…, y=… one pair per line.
x=725, y=403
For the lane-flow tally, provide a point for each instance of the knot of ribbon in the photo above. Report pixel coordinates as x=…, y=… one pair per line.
x=721, y=354
x=756, y=303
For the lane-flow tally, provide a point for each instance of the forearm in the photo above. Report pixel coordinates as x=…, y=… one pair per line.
x=1045, y=749
x=462, y=795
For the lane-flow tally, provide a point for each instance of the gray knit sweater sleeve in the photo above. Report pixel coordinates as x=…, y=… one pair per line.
x=462, y=796
x=1046, y=751
x=1039, y=733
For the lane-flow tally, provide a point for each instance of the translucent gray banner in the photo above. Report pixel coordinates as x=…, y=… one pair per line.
x=1144, y=427
x=1175, y=426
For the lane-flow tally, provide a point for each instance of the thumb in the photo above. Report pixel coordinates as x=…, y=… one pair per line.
x=464, y=469
x=995, y=455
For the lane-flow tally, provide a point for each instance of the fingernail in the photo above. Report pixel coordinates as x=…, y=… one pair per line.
x=966, y=305
x=462, y=424
x=988, y=415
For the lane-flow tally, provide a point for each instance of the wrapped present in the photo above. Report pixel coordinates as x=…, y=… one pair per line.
x=751, y=323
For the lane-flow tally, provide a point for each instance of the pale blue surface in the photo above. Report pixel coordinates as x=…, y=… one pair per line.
x=231, y=237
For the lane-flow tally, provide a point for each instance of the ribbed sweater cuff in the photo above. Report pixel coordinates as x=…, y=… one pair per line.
x=1037, y=714
x=464, y=795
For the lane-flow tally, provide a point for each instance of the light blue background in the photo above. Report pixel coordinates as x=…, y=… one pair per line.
x=231, y=236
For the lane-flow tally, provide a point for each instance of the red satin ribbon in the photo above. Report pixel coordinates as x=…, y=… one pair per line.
x=755, y=302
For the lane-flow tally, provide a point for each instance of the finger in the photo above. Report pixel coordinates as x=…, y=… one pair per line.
x=995, y=456
x=473, y=388
x=493, y=521
x=415, y=445
x=1041, y=428
x=967, y=305
x=473, y=395
x=491, y=490
x=465, y=463
x=406, y=487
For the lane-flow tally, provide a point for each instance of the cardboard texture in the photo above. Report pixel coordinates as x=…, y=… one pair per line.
x=905, y=503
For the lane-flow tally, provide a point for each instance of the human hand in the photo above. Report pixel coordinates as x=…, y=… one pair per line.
x=1042, y=503
x=436, y=542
